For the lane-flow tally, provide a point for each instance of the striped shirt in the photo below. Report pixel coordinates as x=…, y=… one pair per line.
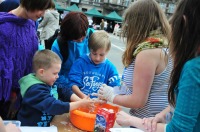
x=158, y=99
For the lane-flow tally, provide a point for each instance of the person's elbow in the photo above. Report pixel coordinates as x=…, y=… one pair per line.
x=139, y=103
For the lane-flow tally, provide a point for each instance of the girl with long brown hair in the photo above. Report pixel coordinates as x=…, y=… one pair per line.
x=146, y=60
x=184, y=88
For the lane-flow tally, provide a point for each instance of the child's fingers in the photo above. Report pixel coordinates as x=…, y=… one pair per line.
x=102, y=101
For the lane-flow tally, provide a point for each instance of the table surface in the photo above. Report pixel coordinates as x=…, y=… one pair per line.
x=62, y=122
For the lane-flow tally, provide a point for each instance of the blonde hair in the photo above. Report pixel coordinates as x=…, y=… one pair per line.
x=142, y=17
x=44, y=59
x=99, y=39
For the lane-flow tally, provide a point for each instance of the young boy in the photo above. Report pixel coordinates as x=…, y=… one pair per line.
x=40, y=100
x=90, y=71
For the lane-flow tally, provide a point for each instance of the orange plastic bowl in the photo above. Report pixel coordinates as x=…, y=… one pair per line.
x=85, y=120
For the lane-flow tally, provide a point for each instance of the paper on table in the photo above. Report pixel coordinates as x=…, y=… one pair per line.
x=125, y=130
x=38, y=129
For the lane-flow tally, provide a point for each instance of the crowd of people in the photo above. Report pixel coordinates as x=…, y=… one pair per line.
x=160, y=77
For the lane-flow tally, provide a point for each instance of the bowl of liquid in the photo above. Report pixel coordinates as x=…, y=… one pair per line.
x=84, y=118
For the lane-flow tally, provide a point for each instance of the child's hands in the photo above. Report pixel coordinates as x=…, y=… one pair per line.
x=86, y=102
x=99, y=101
x=150, y=123
x=123, y=119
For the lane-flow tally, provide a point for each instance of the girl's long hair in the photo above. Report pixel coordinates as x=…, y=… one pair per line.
x=140, y=19
x=185, y=40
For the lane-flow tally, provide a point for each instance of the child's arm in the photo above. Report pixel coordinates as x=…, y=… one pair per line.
x=86, y=102
x=114, y=79
x=38, y=97
x=136, y=122
x=74, y=98
x=151, y=122
x=78, y=92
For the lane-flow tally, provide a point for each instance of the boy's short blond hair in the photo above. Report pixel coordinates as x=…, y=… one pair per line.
x=99, y=39
x=44, y=59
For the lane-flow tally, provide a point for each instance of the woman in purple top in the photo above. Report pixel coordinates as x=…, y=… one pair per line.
x=18, y=43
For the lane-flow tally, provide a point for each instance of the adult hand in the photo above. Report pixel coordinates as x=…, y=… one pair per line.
x=123, y=119
x=105, y=93
x=150, y=123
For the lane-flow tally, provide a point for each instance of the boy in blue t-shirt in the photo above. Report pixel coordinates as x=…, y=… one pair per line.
x=90, y=71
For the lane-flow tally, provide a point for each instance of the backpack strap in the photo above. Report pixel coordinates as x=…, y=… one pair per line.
x=50, y=40
x=63, y=46
x=90, y=31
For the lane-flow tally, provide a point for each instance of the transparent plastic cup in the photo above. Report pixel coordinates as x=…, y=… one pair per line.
x=17, y=123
